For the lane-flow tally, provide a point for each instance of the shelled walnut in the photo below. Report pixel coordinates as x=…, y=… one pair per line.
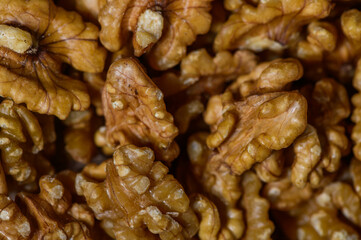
x=41, y=216
x=135, y=112
x=162, y=28
x=279, y=25
x=21, y=141
x=246, y=132
x=138, y=198
x=30, y=72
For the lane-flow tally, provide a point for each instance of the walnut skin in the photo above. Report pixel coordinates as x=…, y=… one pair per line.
x=279, y=25
x=268, y=77
x=321, y=39
x=33, y=75
x=135, y=111
x=248, y=131
x=41, y=216
x=138, y=198
x=164, y=28
x=258, y=224
x=21, y=137
x=307, y=150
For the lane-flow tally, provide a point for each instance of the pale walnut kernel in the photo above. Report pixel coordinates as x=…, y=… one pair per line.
x=149, y=29
x=15, y=39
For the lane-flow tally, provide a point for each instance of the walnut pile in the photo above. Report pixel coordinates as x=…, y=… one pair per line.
x=180, y=119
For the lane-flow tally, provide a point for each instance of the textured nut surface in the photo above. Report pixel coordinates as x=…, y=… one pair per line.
x=138, y=198
x=280, y=23
x=35, y=77
x=163, y=28
x=135, y=112
x=249, y=130
x=268, y=77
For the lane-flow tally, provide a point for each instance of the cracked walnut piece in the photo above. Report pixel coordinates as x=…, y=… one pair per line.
x=162, y=28
x=268, y=77
x=20, y=137
x=31, y=73
x=135, y=112
x=41, y=216
x=248, y=131
x=138, y=199
x=280, y=24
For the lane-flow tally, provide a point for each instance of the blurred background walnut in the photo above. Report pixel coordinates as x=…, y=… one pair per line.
x=279, y=25
x=32, y=73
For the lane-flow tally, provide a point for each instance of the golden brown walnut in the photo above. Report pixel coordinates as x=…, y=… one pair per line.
x=321, y=38
x=271, y=168
x=339, y=195
x=21, y=140
x=94, y=171
x=256, y=209
x=307, y=151
x=208, y=215
x=249, y=130
x=135, y=112
x=268, y=77
x=43, y=215
x=202, y=73
x=78, y=136
x=355, y=171
x=328, y=106
x=311, y=221
x=13, y=224
x=162, y=28
x=33, y=75
x=188, y=111
x=283, y=195
x=279, y=25
x=223, y=187
x=138, y=198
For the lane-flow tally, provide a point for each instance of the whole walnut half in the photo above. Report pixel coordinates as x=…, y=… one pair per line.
x=246, y=132
x=162, y=28
x=138, y=199
x=33, y=48
x=135, y=112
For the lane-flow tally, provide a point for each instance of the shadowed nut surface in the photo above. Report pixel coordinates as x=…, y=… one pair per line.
x=31, y=73
x=138, y=198
x=21, y=139
x=162, y=28
x=135, y=112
